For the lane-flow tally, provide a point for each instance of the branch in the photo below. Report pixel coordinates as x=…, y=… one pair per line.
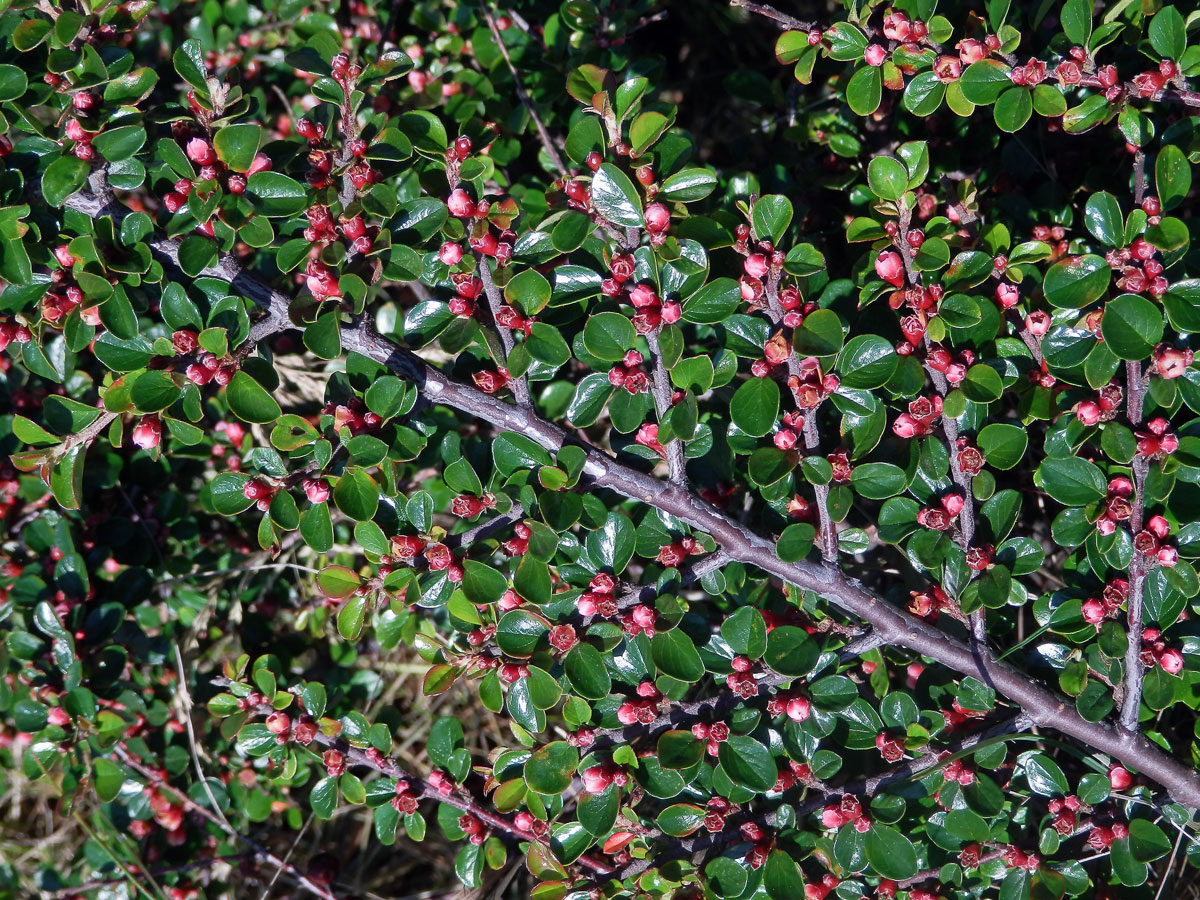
x=660, y=388
x=966, y=518
x=1045, y=707
x=519, y=88
x=770, y=12
x=706, y=844
x=519, y=386
x=419, y=787
x=812, y=435
x=283, y=866
x=1131, y=702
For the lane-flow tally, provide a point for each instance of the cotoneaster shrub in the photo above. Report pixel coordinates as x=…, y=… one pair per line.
x=629, y=463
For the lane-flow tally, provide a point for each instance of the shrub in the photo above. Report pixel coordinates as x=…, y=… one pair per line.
x=780, y=475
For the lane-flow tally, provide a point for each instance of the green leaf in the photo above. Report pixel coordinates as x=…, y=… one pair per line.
x=713, y=303
x=324, y=336
x=324, y=795
x=513, y=451
x=675, y=654
x=795, y=542
x=1003, y=445
x=189, y=63
x=196, y=253
x=1013, y=109
x=1168, y=33
x=108, y=780
x=864, y=91
x=645, y=130
x=1131, y=326
x=982, y=384
x=748, y=763
x=611, y=545
x=351, y=617
x=924, y=94
x=482, y=584
x=153, y=391
x=878, y=481
x=1072, y=481
x=615, y=197
x=781, y=877
x=1076, y=21
x=983, y=82
x=889, y=852
x=833, y=692
x=236, y=145
x=689, y=185
x=130, y=88
x=356, y=494
x=679, y=749
x=867, y=362
x=680, y=819
x=550, y=769
x=1172, y=175
x=968, y=269
x=609, y=335
x=529, y=290
x=770, y=217
x=545, y=344
x=804, y=260
x=1147, y=842
x=120, y=143
x=13, y=82
x=62, y=178
x=275, y=194
x=745, y=631
x=1103, y=218
x=790, y=651
x=887, y=177
x=755, y=406
x=519, y=632
x=249, y=401
x=820, y=334
x=1044, y=775
x=1076, y=281
x=586, y=670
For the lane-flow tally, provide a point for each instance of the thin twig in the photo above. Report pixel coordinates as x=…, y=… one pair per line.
x=519, y=89
x=1135, y=388
x=296, y=875
x=783, y=19
x=519, y=385
x=660, y=389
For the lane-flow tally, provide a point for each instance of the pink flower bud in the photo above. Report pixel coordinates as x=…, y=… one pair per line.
x=890, y=267
x=1007, y=295
x=596, y=779
x=148, y=433
x=658, y=217
x=874, y=55
x=316, y=489
x=755, y=265
x=1171, y=660
x=201, y=152
x=460, y=205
